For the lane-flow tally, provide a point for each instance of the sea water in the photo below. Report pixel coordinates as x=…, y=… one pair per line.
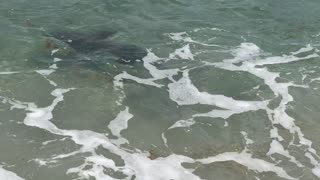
x=228, y=90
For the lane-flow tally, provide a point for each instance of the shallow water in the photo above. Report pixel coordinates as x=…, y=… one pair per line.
x=228, y=90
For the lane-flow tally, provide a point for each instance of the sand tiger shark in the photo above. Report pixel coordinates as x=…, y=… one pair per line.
x=92, y=42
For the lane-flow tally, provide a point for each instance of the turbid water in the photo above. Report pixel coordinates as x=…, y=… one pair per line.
x=221, y=90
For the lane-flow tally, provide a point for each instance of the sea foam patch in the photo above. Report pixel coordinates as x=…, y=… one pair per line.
x=156, y=73
x=185, y=37
x=183, y=92
x=9, y=72
x=8, y=175
x=182, y=53
x=120, y=123
x=247, y=160
x=249, y=55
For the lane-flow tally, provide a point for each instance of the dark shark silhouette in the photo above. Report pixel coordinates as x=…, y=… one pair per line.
x=90, y=42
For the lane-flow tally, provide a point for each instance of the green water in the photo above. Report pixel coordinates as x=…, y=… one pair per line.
x=230, y=44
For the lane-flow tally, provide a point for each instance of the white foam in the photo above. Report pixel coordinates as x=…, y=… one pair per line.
x=120, y=123
x=54, y=51
x=154, y=72
x=164, y=139
x=245, y=135
x=119, y=78
x=39, y=117
x=217, y=29
x=183, y=92
x=48, y=142
x=53, y=66
x=314, y=79
x=225, y=114
x=99, y=163
x=8, y=175
x=182, y=123
x=277, y=148
x=308, y=48
x=315, y=163
x=161, y=168
x=45, y=72
x=41, y=162
x=136, y=164
x=181, y=36
x=274, y=133
x=56, y=59
x=247, y=160
x=245, y=52
x=248, y=54
x=184, y=37
x=182, y=53
x=9, y=72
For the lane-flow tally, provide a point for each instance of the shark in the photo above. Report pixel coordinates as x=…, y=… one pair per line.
x=93, y=42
